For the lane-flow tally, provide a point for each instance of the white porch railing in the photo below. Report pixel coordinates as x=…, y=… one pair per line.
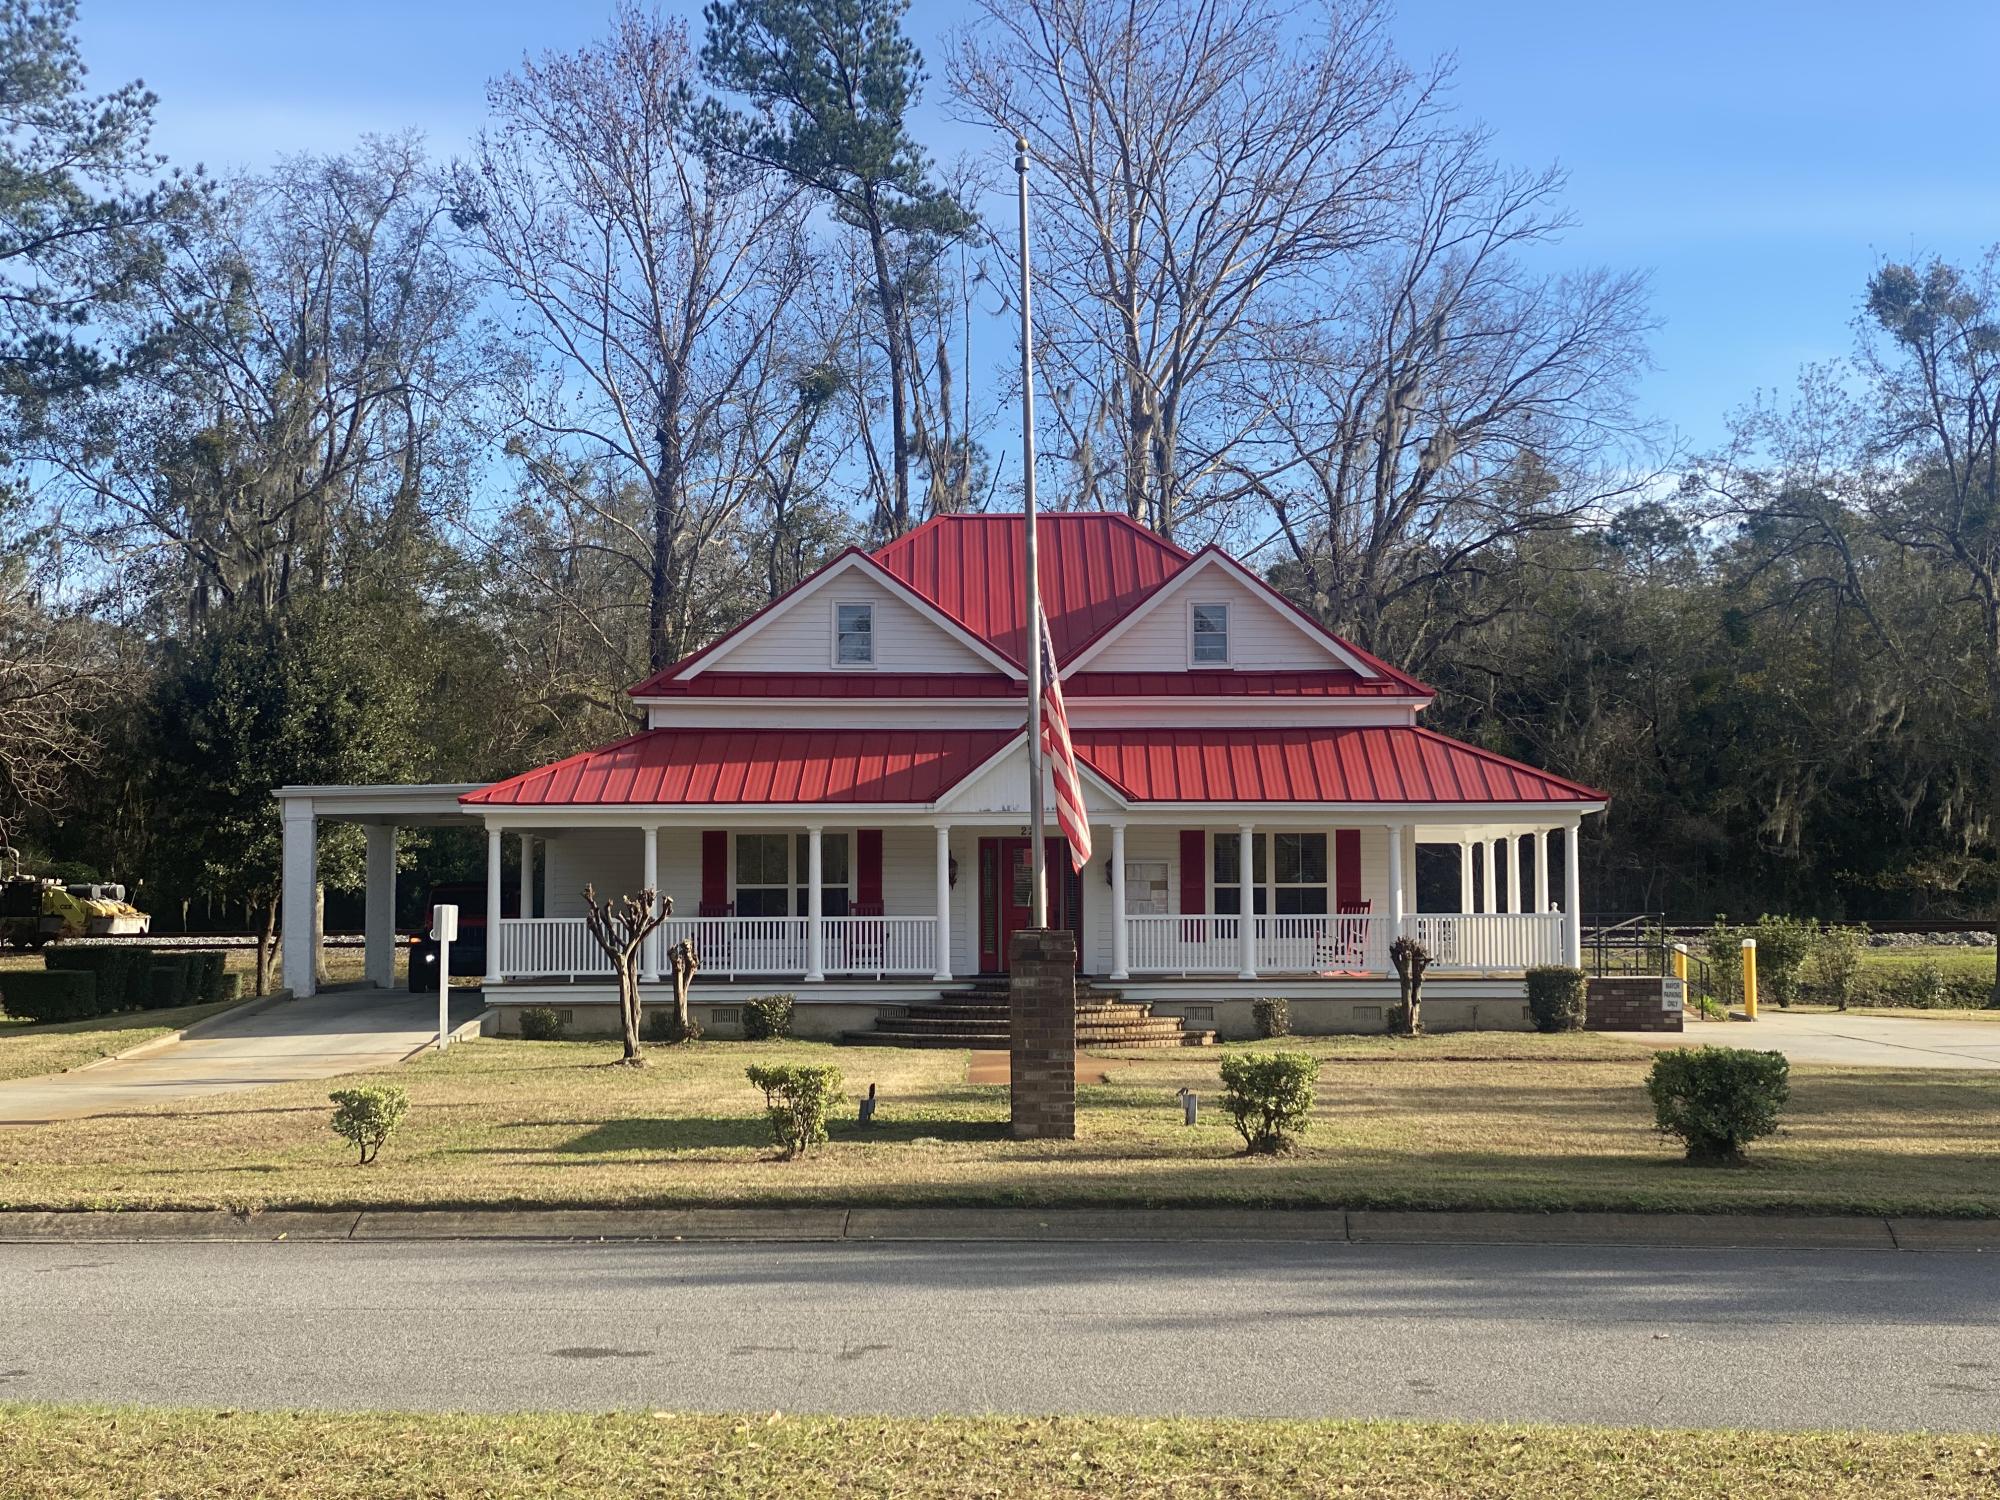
x=1480, y=941
x=549, y=948
x=562, y=947
x=1323, y=944
x=1342, y=945
x=1184, y=945
x=728, y=946
x=879, y=945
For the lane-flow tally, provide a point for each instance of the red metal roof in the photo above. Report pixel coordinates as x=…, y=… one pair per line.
x=1365, y=763
x=729, y=766
x=1095, y=567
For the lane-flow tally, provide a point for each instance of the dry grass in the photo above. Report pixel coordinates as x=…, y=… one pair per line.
x=80, y=1454
x=509, y=1123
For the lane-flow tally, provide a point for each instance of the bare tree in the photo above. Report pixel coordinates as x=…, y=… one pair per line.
x=1443, y=404
x=53, y=675
x=650, y=285
x=1204, y=162
x=621, y=925
x=299, y=424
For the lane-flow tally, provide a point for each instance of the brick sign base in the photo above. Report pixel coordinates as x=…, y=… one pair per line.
x=1618, y=1002
x=1041, y=967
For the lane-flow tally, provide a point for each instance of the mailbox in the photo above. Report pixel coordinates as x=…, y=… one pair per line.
x=444, y=924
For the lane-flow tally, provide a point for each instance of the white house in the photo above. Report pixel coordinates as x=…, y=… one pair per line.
x=834, y=796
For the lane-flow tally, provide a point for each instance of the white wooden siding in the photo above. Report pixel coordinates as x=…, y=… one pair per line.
x=1260, y=637
x=797, y=636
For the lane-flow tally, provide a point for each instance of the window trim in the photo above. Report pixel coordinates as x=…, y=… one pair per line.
x=737, y=885
x=1199, y=662
x=838, y=662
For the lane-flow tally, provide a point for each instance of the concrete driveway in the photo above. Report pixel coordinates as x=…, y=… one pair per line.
x=1856, y=1041
x=336, y=1032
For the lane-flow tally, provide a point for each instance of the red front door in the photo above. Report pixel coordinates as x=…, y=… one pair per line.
x=1006, y=896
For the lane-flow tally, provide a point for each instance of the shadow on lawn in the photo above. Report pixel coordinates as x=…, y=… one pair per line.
x=699, y=1132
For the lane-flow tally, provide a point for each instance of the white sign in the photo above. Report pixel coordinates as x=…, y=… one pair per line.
x=1673, y=995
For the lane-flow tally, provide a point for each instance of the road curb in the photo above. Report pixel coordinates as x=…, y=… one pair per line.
x=918, y=1225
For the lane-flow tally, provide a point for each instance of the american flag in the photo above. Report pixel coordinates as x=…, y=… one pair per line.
x=1070, y=816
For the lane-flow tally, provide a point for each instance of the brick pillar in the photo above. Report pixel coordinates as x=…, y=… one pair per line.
x=1041, y=964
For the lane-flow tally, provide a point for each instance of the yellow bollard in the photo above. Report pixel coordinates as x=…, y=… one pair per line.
x=1681, y=961
x=1749, y=979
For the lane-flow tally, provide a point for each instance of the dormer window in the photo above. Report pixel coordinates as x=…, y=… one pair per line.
x=1210, y=639
x=854, y=635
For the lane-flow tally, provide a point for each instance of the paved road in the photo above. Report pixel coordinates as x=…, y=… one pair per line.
x=1857, y=1041
x=1528, y=1333
x=336, y=1032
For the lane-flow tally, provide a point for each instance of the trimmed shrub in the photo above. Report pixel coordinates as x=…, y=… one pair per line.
x=766, y=1017
x=210, y=968
x=166, y=984
x=1272, y=1016
x=1782, y=946
x=542, y=1023
x=1270, y=1097
x=1556, y=997
x=1718, y=1098
x=797, y=1099
x=368, y=1115
x=1923, y=987
x=1833, y=963
x=664, y=1027
x=49, y=994
x=231, y=989
x=121, y=972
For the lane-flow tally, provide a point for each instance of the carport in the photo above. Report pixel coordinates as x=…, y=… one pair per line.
x=380, y=810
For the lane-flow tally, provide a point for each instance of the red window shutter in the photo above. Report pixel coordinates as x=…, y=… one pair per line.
x=1347, y=867
x=714, y=868
x=868, y=867
x=1194, y=871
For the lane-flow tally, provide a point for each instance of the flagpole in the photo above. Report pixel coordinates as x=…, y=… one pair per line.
x=1037, y=854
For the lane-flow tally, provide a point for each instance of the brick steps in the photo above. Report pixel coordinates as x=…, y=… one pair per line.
x=978, y=1016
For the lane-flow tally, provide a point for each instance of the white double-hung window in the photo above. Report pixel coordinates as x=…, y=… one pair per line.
x=1208, y=639
x=854, y=635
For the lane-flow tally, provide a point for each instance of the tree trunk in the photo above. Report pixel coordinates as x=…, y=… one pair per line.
x=320, y=974
x=681, y=1016
x=662, y=596
x=266, y=935
x=628, y=1005
x=892, y=342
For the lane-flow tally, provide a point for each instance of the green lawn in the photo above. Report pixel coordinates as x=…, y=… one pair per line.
x=508, y=1123
x=88, y=1454
x=28, y=1051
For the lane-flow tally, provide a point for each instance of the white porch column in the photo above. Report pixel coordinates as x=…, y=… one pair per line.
x=301, y=877
x=1121, y=935
x=1399, y=905
x=1487, y=905
x=1465, y=875
x=379, y=921
x=1247, y=883
x=527, y=875
x=1572, y=901
x=492, y=903
x=815, y=950
x=1541, y=838
x=1516, y=873
x=649, y=879
x=943, y=974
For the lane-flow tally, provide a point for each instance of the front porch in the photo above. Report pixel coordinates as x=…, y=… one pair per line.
x=815, y=905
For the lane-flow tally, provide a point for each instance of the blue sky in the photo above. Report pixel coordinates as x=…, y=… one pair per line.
x=1757, y=159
